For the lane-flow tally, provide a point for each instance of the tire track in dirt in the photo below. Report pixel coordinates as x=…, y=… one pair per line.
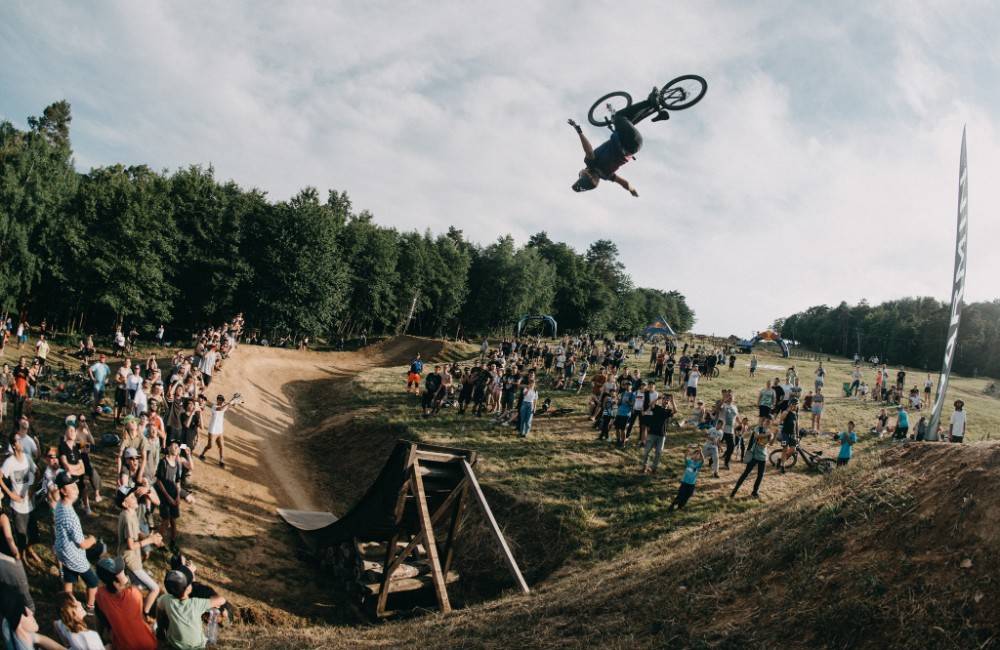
x=232, y=531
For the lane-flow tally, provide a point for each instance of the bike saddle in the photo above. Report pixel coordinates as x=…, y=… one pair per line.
x=662, y=115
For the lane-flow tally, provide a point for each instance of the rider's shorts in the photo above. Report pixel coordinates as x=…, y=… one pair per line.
x=787, y=440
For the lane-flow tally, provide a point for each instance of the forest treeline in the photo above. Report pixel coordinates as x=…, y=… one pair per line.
x=127, y=244
x=910, y=331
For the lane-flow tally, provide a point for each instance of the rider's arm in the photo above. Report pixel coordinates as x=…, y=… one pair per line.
x=588, y=150
x=624, y=183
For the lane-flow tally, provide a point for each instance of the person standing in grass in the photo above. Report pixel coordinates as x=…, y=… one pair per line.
x=758, y=458
x=765, y=402
x=693, y=462
x=713, y=436
x=659, y=416
x=528, y=398
x=729, y=413
x=753, y=365
x=818, y=402
x=902, y=424
x=692, y=384
x=847, y=440
x=956, y=428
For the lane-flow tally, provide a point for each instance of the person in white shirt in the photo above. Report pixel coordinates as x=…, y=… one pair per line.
x=711, y=448
x=18, y=472
x=207, y=365
x=527, y=409
x=956, y=429
x=692, y=385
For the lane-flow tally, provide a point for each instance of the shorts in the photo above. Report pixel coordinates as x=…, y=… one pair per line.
x=817, y=410
x=140, y=577
x=120, y=397
x=24, y=525
x=692, y=391
x=168, y=510
x=412, y=378
x=621, y=421
x=843, y=461
x=206, y=379
x=69, y=577
x=764, y=411
x=788, y=440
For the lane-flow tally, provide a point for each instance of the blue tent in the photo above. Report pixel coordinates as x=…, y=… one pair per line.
x=659, y=326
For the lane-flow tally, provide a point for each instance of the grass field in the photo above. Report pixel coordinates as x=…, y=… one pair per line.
x=588, y=497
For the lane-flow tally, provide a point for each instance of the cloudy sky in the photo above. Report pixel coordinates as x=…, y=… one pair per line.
x=821, y=166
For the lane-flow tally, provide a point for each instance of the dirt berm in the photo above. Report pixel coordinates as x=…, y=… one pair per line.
x=896, y=551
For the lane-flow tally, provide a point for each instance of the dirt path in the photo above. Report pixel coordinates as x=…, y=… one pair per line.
x=232, y=531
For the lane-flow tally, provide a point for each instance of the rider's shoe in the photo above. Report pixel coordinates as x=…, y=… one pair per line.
x=662, y=115
x=653, y=95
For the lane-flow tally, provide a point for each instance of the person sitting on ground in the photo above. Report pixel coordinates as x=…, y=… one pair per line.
x=179, y=614
x=119, y=608
x=131, y=542
x=693, y=462
x=72, y=626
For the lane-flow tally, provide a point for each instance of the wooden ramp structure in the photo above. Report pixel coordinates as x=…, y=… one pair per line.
x=400, y=537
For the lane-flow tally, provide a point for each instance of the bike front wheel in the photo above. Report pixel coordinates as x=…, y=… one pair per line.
x=599, y=115
x=683, y=92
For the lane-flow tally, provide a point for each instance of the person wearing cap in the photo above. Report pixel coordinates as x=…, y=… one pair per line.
x=132, y=438
x=956, y=427
x=180, y=614
x=70, y=543
x=169, y=478
x=120, y=610
x=18, y=472
x=131, y=542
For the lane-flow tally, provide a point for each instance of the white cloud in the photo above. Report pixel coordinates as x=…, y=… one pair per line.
x=821, y=166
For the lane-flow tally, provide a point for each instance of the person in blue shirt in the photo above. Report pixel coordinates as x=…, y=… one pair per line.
x=625, y=404
x=847, y=439
x=692, y=465
x=902, y=424
x=99, y=375
x=413, y=375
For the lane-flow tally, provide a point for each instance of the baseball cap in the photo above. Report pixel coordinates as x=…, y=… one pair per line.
x=131, y=452
x=123, y=493
x=108, y=568
x=63, y=478
x=175, y=582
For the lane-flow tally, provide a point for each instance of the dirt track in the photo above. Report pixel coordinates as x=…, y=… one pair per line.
x=232, y=530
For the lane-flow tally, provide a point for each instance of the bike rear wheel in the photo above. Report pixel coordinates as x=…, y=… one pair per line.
x=776, y=455
x=599, y=114
x=683, y=92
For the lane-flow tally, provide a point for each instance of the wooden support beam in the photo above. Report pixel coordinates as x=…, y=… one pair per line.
x=456, y=519
x=508, y=556
x=427, y=528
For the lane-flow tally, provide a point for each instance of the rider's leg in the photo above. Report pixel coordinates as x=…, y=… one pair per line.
x=628, y=136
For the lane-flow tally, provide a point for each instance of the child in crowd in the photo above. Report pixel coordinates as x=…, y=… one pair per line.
x=693, y=462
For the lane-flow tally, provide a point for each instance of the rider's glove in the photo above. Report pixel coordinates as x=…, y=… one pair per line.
x=573, y=124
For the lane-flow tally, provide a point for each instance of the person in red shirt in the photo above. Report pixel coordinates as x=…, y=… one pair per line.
x=119, y=608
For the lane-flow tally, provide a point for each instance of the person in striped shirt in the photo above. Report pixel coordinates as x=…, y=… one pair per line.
x=70, y=543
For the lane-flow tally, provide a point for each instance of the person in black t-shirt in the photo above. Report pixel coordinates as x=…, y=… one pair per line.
x=432, y=386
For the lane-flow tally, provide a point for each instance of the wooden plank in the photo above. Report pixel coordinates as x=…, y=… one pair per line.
x=408, y=584
x=508, y=556
x=427, y=528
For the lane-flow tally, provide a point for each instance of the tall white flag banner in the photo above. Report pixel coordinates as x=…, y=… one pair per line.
x=957, y=292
